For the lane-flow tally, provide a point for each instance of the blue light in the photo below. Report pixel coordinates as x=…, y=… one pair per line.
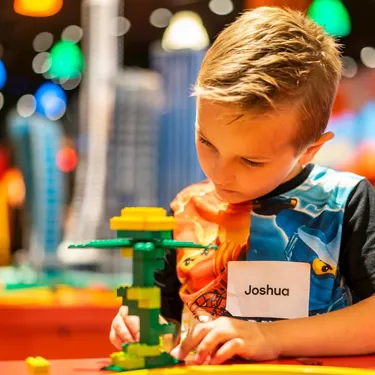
x=51, y=100
x=3, y=75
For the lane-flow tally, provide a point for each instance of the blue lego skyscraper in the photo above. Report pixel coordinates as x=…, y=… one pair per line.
x=178, y=163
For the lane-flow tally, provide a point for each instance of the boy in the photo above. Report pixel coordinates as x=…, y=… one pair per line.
x=305, y=233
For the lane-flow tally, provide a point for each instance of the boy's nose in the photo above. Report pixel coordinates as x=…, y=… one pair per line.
x=223, y=174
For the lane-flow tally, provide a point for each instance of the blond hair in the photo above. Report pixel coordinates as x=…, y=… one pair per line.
x=271, y=58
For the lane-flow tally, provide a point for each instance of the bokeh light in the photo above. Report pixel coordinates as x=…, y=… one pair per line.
x=221, y=7
x=37, y=8
x=160, y=17
x=66, y=60
x=71, y=84
x=41, y=63
x=67, y=159
x=72, y=33
x=185, y=31
x=26, y=106
x=16, y=190
x=3, y=75
x=4, y=160
x=350, y=67
x=43, y=41
x=332, y=15
x=120, y=26
x=368, y=57
x=51, y=101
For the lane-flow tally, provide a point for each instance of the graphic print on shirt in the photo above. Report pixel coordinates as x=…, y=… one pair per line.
x=302, y=225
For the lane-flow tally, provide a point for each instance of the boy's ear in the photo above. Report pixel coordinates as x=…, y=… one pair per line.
x=308, y=155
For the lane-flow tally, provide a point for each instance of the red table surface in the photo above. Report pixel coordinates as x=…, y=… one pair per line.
x=55, y=332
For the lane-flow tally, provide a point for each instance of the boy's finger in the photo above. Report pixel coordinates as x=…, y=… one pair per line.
x=115, y=340
x=175, y=352
x=193, y=339
x=208, y=345
x=225, y=352
x=123, y=311
x=121, y=330
x=132, y=324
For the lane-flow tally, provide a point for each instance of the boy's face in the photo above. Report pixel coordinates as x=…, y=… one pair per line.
x=245, y=156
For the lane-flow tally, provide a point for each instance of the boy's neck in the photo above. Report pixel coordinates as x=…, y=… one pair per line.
x=295, y=172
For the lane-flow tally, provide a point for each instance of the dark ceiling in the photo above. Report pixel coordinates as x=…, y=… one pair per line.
x=17, y=33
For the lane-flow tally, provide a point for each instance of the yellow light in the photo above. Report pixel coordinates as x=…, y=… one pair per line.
x=37, y=8
x=185, y=31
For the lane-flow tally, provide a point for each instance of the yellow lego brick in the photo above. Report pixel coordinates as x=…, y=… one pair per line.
x=143, y=293
x=160, y=223
x=143, y=218
x=143, y=211
x=37, y=365
x=127, y=252
x=149, y=304
x=126, y=361
x=148, y=298
x=127, y=223
x=144, y=350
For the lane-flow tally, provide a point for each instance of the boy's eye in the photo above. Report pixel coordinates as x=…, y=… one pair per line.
x=205, y=142
x=253, y=163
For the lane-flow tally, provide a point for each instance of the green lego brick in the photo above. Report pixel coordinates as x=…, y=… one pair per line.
x=156, y=254
x=166, y=235
x=163, y=360
x=145, y=235
x=112, y=368
x=149, y=324
x=144, y=266
x=132, y=306
x=105, y=244
x=144, y=246
x=144, y=271
x=151, y=329
x=168, y=328
x=121, y=290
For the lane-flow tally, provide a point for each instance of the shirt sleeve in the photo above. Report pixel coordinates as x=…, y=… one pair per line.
x=357, y=258
x=168, y=282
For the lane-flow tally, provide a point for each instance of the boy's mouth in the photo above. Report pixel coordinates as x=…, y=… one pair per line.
x=226, y=191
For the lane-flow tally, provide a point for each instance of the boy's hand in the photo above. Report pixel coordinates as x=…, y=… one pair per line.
x=124, y=329
x=223, y=338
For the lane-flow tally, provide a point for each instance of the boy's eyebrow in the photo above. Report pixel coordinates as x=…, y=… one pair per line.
x=260, y=158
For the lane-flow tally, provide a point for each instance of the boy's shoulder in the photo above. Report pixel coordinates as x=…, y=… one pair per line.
x=325, y=186
x=335, y=177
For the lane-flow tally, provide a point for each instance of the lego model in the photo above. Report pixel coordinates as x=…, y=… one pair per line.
x=143, y=234
x=37, y=365
x=36, y=141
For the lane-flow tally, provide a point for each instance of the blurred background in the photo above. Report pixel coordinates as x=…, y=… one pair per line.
x=95, y=115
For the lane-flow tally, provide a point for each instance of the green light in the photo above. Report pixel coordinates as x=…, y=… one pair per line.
x=66, y=60
x=332, y=15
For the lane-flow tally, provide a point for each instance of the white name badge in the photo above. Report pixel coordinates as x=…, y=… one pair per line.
x=268, y=289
